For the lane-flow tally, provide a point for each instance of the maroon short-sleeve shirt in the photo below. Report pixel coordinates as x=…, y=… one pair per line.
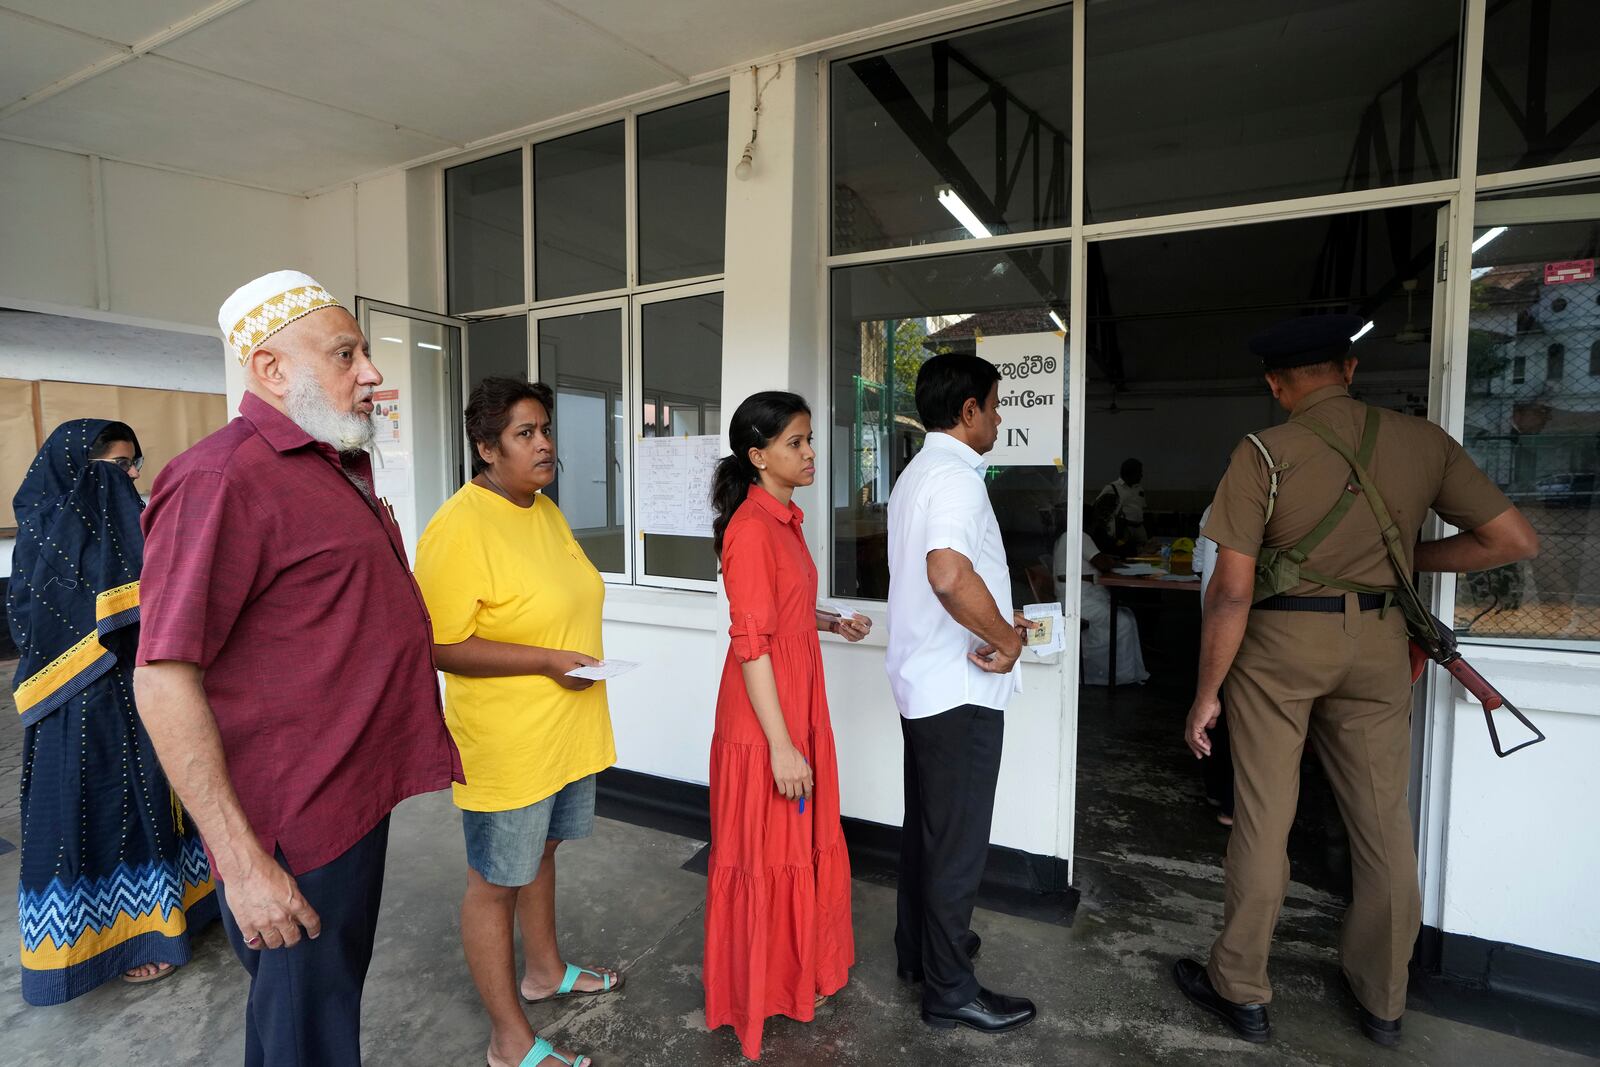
x=268, y=568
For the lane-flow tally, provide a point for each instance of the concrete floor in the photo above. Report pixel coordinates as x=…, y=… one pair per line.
x=1102, y=985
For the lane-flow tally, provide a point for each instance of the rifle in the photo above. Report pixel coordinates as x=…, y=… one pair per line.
x=1428, y=634
x=1441, y=647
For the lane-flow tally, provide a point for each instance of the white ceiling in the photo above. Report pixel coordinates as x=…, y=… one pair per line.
x=299, y=95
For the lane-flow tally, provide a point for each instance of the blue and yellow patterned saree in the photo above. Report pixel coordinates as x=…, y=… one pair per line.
x=112, y=878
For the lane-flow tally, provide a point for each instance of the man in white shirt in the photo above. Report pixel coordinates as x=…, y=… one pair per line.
x=953, y=648
x=1127, y=523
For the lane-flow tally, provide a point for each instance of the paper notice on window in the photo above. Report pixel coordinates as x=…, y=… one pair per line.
x=673, y=479
x=1033, y=382
x=604, y=670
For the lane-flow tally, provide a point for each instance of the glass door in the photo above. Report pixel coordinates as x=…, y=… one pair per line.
x=418, y=451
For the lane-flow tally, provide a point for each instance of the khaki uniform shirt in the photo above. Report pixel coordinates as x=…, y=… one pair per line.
x=1415, y=464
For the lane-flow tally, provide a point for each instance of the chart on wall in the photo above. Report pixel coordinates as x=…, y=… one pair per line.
x=1032, y=397
x=673, y=475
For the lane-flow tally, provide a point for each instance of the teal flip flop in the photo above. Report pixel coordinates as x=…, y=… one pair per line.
x=543, y=1049
x=570, y=979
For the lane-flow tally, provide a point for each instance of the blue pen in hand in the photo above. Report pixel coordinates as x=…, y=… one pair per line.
x=802, y=796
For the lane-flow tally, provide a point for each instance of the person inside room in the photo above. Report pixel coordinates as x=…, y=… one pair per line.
x=1096, y=610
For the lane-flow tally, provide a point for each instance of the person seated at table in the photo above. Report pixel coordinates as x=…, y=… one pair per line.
x=1095, y=646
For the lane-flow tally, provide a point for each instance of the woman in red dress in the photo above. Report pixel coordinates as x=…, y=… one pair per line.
x=778, y=934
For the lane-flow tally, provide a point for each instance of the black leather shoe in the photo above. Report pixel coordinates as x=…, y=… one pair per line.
x=913, y=975
x=1385, y=1032
x=1249, y=1021
x=988, y=1012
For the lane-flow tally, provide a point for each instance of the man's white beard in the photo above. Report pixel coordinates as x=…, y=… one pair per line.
x=313, y=411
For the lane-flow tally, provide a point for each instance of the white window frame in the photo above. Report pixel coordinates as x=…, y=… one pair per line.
x=553, y=131
x=636, y=420
x=627, y=298
x=618, y=304
x=1447, y=375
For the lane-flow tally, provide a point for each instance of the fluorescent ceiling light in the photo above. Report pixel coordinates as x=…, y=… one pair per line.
x=1359, y=334
x=958, y=207
x=431, y=348
x=1057, y=320
x=396, y=340
x=1487, y=237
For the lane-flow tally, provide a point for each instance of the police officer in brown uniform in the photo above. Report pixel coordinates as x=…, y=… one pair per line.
x=1324, y=653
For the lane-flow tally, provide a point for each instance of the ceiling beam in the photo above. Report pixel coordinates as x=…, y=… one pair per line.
x=611, y=37
x=148, y=44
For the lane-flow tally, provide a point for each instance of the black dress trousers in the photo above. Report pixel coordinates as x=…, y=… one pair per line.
x=952, y=762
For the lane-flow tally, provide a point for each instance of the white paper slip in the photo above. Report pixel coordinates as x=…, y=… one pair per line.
x=836, y=609
x=1180, y=577
x=605, y=669
x=1047, y=635
x=1134, y=570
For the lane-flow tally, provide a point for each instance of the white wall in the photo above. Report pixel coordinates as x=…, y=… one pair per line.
x=64, y=349
x=47, y=243
x=1520, y=847
x=139, y=243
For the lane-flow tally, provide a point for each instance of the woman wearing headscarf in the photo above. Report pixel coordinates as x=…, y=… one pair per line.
x=113, y=879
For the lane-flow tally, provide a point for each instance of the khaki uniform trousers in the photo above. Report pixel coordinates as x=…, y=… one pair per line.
x=1344, y=679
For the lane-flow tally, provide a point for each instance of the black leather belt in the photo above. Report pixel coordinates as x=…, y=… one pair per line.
x=1331, y=604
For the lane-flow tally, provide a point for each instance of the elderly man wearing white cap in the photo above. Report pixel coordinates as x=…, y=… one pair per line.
x=285, y=668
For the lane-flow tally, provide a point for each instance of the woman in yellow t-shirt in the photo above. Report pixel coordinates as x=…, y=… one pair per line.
x=515, y=606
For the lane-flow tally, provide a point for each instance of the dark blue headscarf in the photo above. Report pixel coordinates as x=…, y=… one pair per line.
x=75, y=571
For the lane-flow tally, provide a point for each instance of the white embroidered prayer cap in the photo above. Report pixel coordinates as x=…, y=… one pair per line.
x=261, y=308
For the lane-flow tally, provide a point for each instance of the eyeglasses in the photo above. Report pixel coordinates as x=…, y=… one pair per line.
x=125, y=464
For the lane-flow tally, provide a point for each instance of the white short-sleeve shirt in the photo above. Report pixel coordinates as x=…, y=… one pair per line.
x=940, y=501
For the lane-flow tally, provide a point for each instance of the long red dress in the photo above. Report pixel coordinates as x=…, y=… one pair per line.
x=778, y=896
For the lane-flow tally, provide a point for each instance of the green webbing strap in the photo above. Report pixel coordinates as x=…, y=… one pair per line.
x=1405, y=593
x=1369, y=440
x=1358, y=465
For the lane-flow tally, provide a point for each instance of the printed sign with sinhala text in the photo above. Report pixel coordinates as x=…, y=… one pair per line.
x=1033, y=378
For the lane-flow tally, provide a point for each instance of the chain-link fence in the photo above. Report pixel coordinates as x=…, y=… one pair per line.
x=1533, y=423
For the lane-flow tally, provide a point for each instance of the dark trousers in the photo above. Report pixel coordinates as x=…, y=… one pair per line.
x=305, y=1002
x=952, y=763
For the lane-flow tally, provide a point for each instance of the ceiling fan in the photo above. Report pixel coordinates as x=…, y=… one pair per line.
x=1409, y=334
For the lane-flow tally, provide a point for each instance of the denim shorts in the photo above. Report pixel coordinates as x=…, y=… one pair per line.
x=505, y=847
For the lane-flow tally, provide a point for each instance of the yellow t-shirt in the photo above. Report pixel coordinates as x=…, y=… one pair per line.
x=491, y=569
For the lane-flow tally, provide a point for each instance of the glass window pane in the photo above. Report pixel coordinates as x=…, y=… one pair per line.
x=416, y=416
x=887, y=319
x=954, y=137
x=581, y=360
x=483, y=233
x=1533, y=423
x=579, y=216
x=497, y=348
x=1540, y=103
x=1190, y=106
x=681, y=353
x=683, y=190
